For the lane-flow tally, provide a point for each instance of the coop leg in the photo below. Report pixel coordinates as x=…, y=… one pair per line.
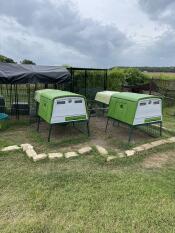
x=50, y=129
x=88, y=128
x=38, y=124
x=130, y=134
x=107, y=124
x=36, y=110
x=160, y=128
x=103, y=110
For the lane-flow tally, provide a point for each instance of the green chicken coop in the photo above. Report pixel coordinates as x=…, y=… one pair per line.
x=58, y=107
x=135, y=110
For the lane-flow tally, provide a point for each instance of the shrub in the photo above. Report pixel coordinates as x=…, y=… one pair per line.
x=133, y=76
x=116, y=77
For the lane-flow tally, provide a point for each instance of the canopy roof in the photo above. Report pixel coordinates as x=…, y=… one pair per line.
x=21, y=74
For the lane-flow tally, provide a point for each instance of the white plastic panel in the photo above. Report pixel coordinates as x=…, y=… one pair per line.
x=104, y=96
x=148, y=108
x=68, y=106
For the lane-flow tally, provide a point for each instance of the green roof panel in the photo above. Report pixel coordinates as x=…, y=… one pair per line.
x=58, y=94
x=132, y=96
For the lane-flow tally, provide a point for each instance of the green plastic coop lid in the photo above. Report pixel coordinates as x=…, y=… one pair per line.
x=133, y=96
x=39, y=92
x=58, y=94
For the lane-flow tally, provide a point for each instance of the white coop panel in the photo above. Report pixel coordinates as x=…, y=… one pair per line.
x=67, y=107
x=148, y=109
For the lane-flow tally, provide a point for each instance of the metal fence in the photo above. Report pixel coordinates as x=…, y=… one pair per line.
x=88, y=81
x=18, y=99
x=166, y=89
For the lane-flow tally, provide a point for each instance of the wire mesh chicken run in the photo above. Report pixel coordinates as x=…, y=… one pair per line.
x=17, y=100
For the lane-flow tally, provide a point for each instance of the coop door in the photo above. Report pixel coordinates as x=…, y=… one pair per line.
x=69, y=107
x=148, y=110
x=120, y=110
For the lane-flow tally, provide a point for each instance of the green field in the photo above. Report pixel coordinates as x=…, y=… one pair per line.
x=160, y=75
x=85, y=194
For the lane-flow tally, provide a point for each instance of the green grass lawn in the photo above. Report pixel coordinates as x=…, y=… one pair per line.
x=85, y=194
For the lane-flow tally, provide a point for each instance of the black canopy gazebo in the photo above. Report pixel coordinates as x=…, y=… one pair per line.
x=18, y=83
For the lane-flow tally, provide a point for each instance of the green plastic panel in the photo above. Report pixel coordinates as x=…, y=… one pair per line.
x=132, y=96
x=45, y=108
x=148, y=120
x=40, y=92
x=58, y=94
x=76, y=118
x=122, y=110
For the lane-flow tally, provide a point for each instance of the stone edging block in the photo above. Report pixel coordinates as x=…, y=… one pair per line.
x=85, y=150
x=11, y=148
x=70, y=154
x=55, y=155
x=101, y=150
x=39, y=157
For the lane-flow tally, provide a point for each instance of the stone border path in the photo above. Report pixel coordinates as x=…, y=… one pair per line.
x=149, y=146
x=31, y=153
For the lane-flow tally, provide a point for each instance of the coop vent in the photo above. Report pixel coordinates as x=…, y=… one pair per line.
x=78, y=101
x=142, y=104
x=60, y=102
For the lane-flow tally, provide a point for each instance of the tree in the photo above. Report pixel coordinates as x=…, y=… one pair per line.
x=6, y=59
x=28, y=62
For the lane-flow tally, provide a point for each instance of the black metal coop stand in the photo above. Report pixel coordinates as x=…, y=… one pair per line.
x=132, y=127
x=73, y=122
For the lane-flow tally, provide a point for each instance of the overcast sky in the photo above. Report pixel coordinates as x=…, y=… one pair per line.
x=89, y=33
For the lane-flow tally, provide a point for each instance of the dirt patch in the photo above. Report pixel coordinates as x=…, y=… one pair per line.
x=115, y=133
x=158, y=160
x=68, y=137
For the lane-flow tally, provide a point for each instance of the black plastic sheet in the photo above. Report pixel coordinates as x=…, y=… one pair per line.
x=22, y=74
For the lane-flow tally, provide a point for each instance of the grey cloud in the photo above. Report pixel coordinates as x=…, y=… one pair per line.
x=61, y=22
x=160, y=10
x=162, y=51
x=18, y=43
x=53, y=32
x=154, y=6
